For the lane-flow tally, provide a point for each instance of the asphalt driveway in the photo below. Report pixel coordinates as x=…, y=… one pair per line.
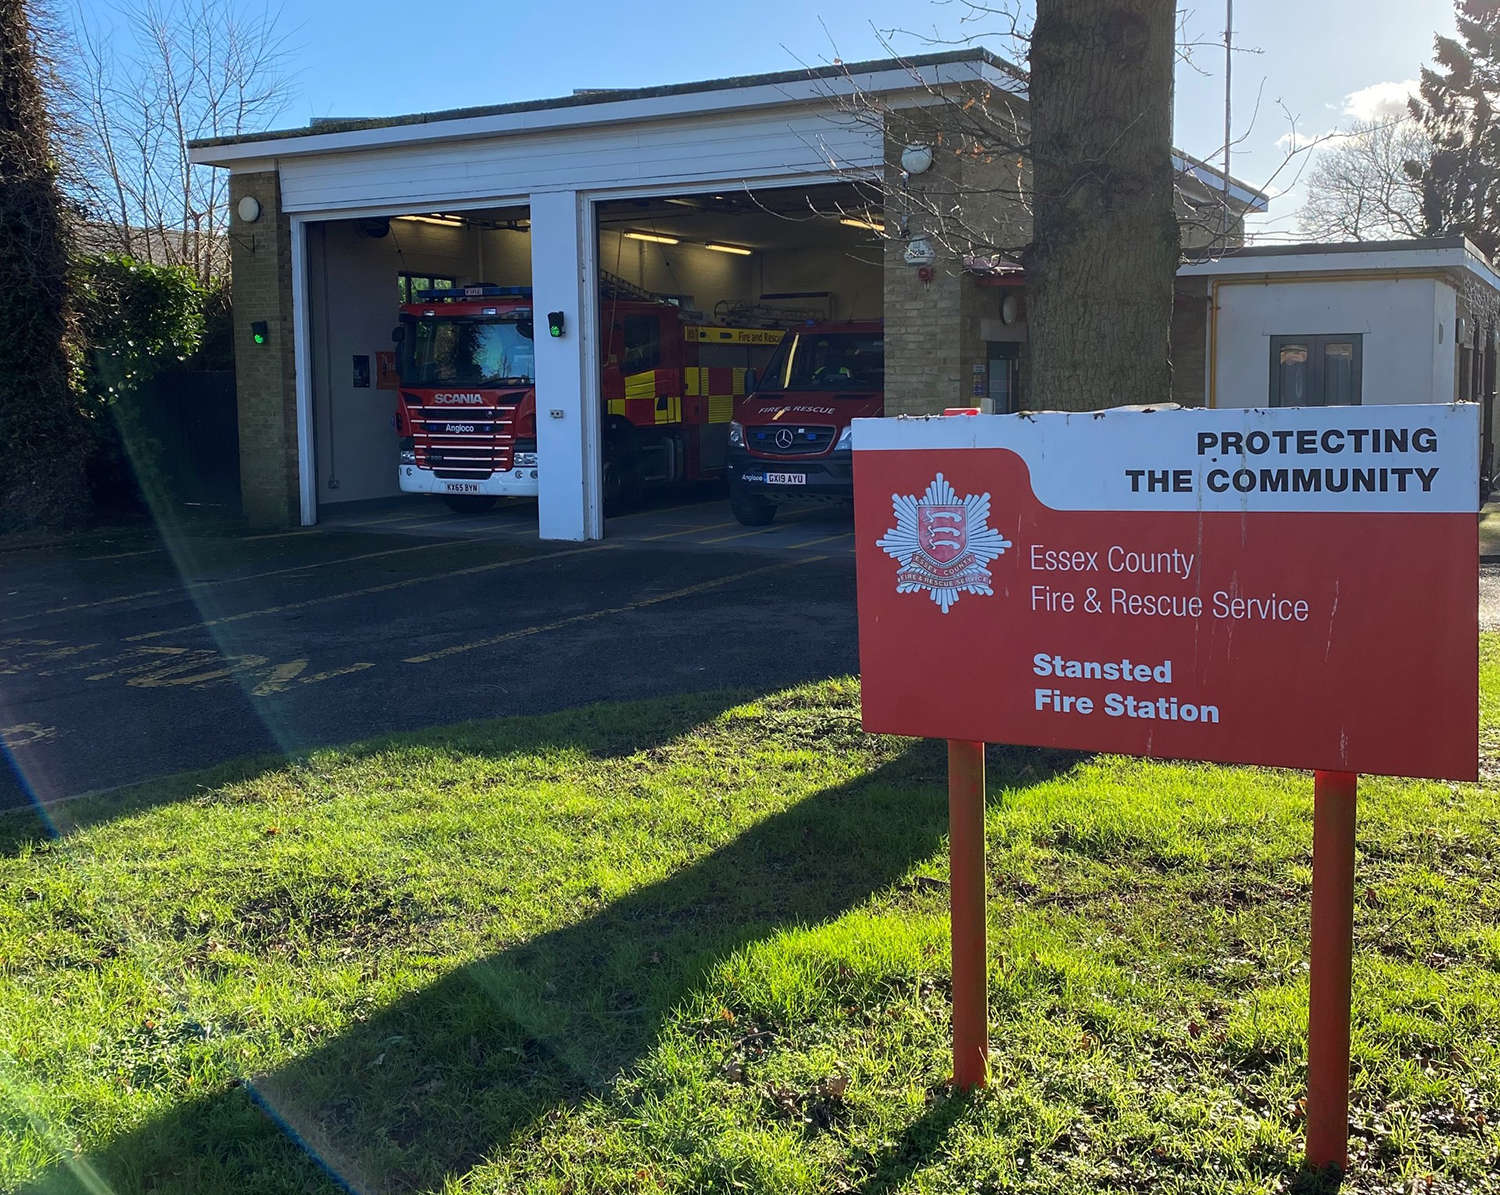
x=137, y=658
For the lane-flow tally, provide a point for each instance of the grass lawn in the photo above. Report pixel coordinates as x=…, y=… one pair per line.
x=701, y=945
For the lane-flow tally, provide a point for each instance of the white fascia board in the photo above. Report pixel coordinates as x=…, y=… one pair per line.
x=1410, y=260
x=1254, y=201
x=818, y=90
x=253, y=165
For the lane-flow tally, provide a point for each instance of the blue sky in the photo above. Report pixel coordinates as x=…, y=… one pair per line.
x=378, y=57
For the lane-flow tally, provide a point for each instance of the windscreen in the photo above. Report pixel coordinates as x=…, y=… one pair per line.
x=828, y=361
x=468, y=352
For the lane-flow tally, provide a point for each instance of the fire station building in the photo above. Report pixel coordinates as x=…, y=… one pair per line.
x=754, y=202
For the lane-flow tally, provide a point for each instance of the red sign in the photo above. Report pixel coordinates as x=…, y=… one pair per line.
x=1289, y=587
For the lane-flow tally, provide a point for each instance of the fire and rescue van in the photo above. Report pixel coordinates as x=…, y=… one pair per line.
x=466, y=412
x=790, y=438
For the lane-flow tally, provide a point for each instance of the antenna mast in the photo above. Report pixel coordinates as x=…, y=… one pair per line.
x=1228, y=76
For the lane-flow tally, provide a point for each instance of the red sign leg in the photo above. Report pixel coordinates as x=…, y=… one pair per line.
x=1331, y=970
x=966, y=909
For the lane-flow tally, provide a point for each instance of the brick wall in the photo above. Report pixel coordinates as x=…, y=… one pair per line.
x=264, y=373
x=972, y=201
x=1189, y=342
x=964, y=204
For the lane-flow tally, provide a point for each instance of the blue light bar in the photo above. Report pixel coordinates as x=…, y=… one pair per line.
x=481, y=290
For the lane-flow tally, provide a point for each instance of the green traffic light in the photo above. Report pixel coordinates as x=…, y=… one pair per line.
x=259, y=331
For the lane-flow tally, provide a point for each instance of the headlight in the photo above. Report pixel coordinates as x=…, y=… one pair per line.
x=736, y=434
x=526, y=460
x=846, y=440
x=408, y=452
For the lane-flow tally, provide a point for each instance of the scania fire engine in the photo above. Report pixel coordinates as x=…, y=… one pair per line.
x=466, y=413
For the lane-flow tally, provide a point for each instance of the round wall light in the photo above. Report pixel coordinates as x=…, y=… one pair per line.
x=249, y=209
x=1010, y=309
x=916, y=159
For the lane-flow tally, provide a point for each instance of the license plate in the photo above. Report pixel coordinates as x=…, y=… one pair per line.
x=462, y=487
x=786, y=478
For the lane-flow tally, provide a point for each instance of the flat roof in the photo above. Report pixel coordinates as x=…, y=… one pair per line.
x=803, y=85
x=585, y=98
x=1453, y=253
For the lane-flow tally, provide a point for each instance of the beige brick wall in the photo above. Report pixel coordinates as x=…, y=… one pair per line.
x=265, y=373
x=966, y=203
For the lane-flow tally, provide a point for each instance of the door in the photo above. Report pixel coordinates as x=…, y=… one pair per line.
x=1316, y=371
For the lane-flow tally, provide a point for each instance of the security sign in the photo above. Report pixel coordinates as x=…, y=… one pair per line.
x=1293, y=587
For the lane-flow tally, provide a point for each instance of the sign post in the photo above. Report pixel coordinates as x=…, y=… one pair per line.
x=971, y=1046
x=1330, y=971
x=1294, y=587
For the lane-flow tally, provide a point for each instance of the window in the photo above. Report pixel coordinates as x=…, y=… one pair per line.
x=828, y=361
x=441, y=351
x=642, y=343
x=1005, y=377
x=1316, y=371
x=412, y=285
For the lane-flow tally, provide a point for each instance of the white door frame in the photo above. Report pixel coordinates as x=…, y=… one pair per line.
x=307, y=465
x=587, y=307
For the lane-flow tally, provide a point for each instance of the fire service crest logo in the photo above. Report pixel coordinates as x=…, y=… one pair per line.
x=942, y=543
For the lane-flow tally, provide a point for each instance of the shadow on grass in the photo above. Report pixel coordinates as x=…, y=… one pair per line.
x=598, y=729
x=916, y=1147
x=429, y=1087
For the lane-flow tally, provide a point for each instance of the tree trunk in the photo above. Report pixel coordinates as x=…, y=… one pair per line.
x=1105, y=240
x=42, y=433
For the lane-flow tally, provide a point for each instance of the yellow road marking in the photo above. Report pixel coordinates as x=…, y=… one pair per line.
x=10, y=667
x=719, y=539
x=592, y=615
x=425, y=579
x=329, y=675
x=124, y=555
x=825, y=540
x=192, y=586
x=25, y=734
x=280, y=534
x=685, y=531
x=155, y=667
x=662, y=510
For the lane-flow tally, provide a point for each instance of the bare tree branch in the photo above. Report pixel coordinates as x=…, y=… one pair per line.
x=1358, y=189
x=180, y=70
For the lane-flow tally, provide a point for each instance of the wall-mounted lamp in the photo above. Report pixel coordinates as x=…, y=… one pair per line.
x=869, y=225
x=916, y=159
x=248, y=209
x=654, y=238
x=717, y=248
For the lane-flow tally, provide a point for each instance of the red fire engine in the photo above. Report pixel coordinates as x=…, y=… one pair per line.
x=466, y=412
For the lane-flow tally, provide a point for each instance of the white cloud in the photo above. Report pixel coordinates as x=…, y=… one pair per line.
x=1380, y=101
x=1295, y=141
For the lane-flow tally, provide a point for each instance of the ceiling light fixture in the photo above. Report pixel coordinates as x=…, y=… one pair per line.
x=633, y=235
x=717, y=248
x=866, y=224
x=436, y=218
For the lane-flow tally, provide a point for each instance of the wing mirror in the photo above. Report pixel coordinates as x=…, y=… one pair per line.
x=398, y=334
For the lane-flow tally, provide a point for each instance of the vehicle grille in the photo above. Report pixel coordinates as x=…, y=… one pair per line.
x=794, y=441
x=463, y=445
